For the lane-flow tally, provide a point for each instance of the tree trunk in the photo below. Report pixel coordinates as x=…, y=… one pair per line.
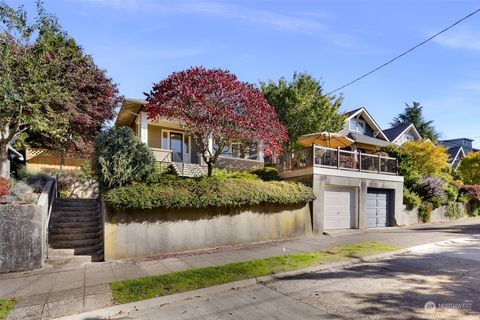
x=210, y=169
x=3, y=161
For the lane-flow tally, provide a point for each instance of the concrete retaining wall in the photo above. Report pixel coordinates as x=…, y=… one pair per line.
x=23, y=233
x=438, y=215
x=144, y=233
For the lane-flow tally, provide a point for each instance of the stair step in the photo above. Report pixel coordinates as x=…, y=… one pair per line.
x=74, y=224
x=60, y=252
x=75, y=236
x=59, y=214
x=77, y=219
x=72, y=260
x=74, y=230
x=76, y=202
x=73, y=244
x=57, y=207
x=90, y=250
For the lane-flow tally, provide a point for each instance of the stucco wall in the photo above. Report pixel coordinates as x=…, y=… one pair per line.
x=142, y=233
x=23, y=234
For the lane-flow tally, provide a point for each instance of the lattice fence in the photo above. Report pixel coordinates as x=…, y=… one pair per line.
x=39, y=159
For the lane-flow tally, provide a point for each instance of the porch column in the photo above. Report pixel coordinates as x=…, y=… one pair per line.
x=260, y=152
x=143, y=127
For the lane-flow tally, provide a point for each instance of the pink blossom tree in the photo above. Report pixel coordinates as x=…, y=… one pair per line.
x=214, y=104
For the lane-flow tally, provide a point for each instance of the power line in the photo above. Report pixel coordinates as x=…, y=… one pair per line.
x=404, y=53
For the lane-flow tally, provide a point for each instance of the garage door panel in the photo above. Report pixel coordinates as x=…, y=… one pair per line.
x=378, y=204
x=338, y=208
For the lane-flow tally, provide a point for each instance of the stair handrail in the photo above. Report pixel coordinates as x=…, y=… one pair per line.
x=51, y=202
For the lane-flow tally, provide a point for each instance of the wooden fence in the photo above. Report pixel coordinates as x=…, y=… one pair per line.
x=40, y=159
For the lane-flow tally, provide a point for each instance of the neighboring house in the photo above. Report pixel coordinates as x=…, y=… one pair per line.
x=353, y=187
x=465, y=143
x=364, y=130
x=173, y=146
x=456, y=156
x=403, y=133
x=458, y=149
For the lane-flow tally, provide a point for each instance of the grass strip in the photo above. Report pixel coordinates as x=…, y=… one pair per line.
x=155, y=286
x=6, y=305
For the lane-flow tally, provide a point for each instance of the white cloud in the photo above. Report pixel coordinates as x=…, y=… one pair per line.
x=460, y=39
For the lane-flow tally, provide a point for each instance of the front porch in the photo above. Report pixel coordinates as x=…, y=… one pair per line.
x=173, y=146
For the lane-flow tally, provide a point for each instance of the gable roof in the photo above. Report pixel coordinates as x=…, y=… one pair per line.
x=395, y=132
x=362, y=111
x=454, y=152
x=128, y=111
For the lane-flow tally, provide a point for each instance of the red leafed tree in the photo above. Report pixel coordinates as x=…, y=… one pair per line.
x=214, y=103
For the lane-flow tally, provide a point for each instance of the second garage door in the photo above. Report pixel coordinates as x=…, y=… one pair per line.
x=378, y=207
x=339, y=208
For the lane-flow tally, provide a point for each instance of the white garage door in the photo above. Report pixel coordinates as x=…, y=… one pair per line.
x=378, y=204
x=339, y=207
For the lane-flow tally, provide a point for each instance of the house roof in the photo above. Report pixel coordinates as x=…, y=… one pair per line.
x=450, y=140
x=368, y=118
x=361, y=138
x=129, y=110
x=395, y=132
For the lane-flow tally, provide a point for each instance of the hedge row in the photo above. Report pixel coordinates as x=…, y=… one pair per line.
x=208, y=192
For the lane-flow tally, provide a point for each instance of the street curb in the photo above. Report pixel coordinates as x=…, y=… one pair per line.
x=125, y=310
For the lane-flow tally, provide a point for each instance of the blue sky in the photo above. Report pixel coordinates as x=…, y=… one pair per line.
x=140, y=42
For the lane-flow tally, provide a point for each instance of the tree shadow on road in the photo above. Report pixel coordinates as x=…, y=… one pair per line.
x=395, y=288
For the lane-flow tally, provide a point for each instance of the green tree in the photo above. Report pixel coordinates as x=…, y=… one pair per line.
x=414, y=114
x=469, y=168
x=302, y=106
x=51, y=93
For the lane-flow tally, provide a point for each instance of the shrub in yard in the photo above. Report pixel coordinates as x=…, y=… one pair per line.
x=432, y=190
x=451, y=192
x=471, y=191
x=4, y=187
x=425, y=211
x=121, y=158
x=208, y=192
x=469, y=169
x=267, y=174
x=456, y=210
x=229, y=174
x=411, y=199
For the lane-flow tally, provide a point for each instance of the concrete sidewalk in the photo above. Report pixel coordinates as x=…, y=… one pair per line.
x=56, y=292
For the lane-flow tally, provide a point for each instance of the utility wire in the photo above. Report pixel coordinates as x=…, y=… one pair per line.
x=404, y=53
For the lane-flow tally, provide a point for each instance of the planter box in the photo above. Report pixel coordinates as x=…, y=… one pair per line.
x=23, y=233
x=139, y=233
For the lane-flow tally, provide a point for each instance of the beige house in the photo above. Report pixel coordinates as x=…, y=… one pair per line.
x=171, y=145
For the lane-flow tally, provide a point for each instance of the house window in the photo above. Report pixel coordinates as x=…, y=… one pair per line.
x=186, y=145
x=408, y=137
x=165, y=144
x=358, y=125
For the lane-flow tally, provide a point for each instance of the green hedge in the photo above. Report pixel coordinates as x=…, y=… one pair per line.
x=207, y=192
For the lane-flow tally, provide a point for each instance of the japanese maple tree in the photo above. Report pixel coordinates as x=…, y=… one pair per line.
x=213, y=103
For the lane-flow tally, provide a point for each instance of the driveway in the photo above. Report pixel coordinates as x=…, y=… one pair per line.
x=440, y=281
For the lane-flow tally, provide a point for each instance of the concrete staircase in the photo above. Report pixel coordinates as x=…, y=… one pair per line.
x=188, y=169
x=75, y=233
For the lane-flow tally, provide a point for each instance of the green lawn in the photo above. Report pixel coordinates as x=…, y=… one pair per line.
x=6, y=305
x=155, y=286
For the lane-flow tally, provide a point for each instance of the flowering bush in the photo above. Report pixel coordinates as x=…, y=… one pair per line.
x=471, y=191
x=432, y=190
x=4, y=187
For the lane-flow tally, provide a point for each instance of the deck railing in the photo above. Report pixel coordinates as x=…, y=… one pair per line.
x=337, y=159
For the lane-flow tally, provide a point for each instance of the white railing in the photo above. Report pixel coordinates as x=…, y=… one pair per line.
x=339, y=159
x=162, y=155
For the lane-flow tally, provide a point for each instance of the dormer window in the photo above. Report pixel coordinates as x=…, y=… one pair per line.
x=408, y=137
x=358, y=125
